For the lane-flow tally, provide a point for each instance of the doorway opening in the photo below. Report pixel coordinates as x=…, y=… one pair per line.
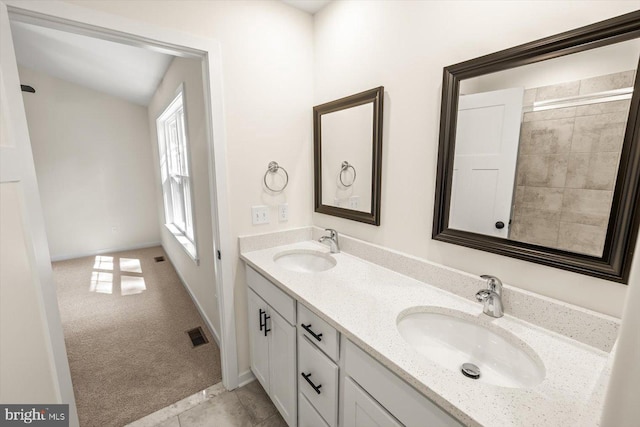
x=218, y=316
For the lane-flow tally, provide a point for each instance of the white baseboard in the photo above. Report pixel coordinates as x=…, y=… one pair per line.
x=208, y=322
x=104, y=251
x=245, y=378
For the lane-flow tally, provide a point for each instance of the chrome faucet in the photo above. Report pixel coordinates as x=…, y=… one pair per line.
x=333, y=240
x=492, y=296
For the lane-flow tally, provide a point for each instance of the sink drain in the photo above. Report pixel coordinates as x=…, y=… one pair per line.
x=470, y=370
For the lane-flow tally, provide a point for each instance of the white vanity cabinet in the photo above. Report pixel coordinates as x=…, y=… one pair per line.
x=272, y=342
x=375, y=396
x=318, y=378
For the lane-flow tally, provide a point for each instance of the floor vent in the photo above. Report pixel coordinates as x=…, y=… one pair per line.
x=197, y=336
x=158, y=258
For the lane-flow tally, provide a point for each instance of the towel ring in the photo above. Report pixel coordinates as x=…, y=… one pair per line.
x=345, y=167
x=273, y=168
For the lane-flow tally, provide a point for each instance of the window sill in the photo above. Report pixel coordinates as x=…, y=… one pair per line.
x=186, y=244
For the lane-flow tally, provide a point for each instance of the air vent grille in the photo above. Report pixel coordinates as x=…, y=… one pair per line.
x=197, y=336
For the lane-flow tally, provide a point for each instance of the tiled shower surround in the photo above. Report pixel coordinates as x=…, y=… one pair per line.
x=567, y=165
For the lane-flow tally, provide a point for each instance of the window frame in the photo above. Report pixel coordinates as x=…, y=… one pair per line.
x=176, y=173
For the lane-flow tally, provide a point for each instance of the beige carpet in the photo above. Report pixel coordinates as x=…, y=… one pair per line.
x=125, y=319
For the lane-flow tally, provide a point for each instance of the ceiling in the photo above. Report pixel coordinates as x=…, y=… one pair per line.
x=309, y=6
x=123, y=71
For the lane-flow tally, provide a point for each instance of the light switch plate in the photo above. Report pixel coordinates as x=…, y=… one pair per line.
x=259, y=215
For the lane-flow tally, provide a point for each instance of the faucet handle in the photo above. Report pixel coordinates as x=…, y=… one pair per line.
x=493, y=283
x=333, y=233
x=483, y=294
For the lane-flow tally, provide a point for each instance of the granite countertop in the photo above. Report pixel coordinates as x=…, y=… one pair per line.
x=363, y=301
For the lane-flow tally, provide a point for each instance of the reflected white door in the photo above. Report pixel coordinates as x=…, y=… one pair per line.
x=484, y=167
x=33, y=370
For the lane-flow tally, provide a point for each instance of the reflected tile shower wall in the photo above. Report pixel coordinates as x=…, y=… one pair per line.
x=567, y=165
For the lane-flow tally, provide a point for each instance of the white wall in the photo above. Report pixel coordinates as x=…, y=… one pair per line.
x=94, y=167
x=199, y=278
x=267, y=60
x=404, y=47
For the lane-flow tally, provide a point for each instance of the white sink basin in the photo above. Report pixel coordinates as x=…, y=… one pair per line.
x=452, y=340
x=305, y=261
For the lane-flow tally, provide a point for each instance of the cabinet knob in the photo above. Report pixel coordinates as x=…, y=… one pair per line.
x=499, y=225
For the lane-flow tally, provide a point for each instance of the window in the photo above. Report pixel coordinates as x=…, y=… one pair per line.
x=175, y=173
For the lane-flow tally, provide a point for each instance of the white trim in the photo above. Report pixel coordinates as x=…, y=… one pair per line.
x=187, y=245
x=245, y=378
x=216, y=131
x=104, y=251
x=185, y=284
x=171, y=106
x=194, y=221
x=77, y=19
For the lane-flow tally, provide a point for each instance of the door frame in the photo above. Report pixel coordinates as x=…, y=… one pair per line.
x=79, y=20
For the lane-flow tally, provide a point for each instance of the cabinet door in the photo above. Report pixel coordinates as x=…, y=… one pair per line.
x=282, y=350
x=307, y=415
x=360, y=410
x=258, y=340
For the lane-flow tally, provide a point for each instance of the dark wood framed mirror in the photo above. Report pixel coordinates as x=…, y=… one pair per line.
x=347, y=143
x=539, y=152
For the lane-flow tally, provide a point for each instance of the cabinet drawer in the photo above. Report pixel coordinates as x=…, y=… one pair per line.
x=404, y=402
x=272, y=295
x=307, y=416
x=319, y=332
x=318, y=380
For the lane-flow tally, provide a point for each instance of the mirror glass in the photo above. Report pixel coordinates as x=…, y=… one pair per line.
x=539, y=154
x=347, y=139
x=537, y=149
x=346, y=158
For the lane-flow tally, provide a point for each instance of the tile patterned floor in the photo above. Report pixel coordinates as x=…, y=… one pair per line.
x=248, y=406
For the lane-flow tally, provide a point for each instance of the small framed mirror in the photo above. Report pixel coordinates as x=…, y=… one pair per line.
x=347, y=141
x=539, y=155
